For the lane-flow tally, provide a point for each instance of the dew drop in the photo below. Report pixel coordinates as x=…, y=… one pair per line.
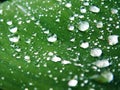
x=83, y=10
x=113, y=39
x=72, y=83
x=83, y=26
x=14, y=39
x=108, y=76
x=2, y=78
x=50, y=53
x=65, y=62
x=9, y=22
x=96, y=52
x=52, y=38
x=86, y=3
x=13, y=30
x=72, y=18
x=114, y=11
x=1, y=11
x=72, y=40
x=27, y=57
x=99, y=24
x=71, y=28
x=94, y=9
x=102, y=63
x=84, y=45
x=68, y=5
x=26, y=89
x=56, y=59
x=104, y=77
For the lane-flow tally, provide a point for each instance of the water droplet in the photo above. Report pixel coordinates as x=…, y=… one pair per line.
x=104, y=77
x=50, y=54
x=114, y=11
x=52, y=38
x=66, y=62
x=72, y=83
x=94, y=9
x=85, y=81
x=27, y=58
x=26, y=89
x=72, y=40
x=9, y=22
x=72, y=18
x=83, y=26
x=86, y=3
x=84, y=45
x=57, y=20
x=83, y=10
x=1, y=11
x=56, y=59
x=51, y=89
x=18, y=49
x=2, y=78
x=71, y=28
x=96, y=52
x=113, y=39
x=99, y=24
x=13, y=30
x=14, y=39
x=28, y=21
x=68, y=5
x=30, y=83
x=28, y=41
x=108, y=76
x=19, y=22
x=102, y=63
x=59, y=0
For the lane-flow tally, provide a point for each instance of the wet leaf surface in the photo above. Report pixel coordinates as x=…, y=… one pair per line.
x=60, y=45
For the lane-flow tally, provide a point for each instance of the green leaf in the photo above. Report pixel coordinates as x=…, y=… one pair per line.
x=60, y=45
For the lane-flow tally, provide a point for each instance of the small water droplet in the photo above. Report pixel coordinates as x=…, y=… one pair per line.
x=83, y=10
x=14, y=39
x=94, y=9
x=96, y=52
x=114, y=11
x=52, y=38
x=56, y=59
x=27, y=58
x=99, y=24
x=66, y=62
x=9, y=22
x=113, y=39
x=13, y=29
x=71, y=28
x=1, y=11
x=83, y=26
x=72, y=83
x=68, y=5
x=84, y=45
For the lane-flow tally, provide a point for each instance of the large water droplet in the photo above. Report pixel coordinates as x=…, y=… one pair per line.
x=102, y=63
